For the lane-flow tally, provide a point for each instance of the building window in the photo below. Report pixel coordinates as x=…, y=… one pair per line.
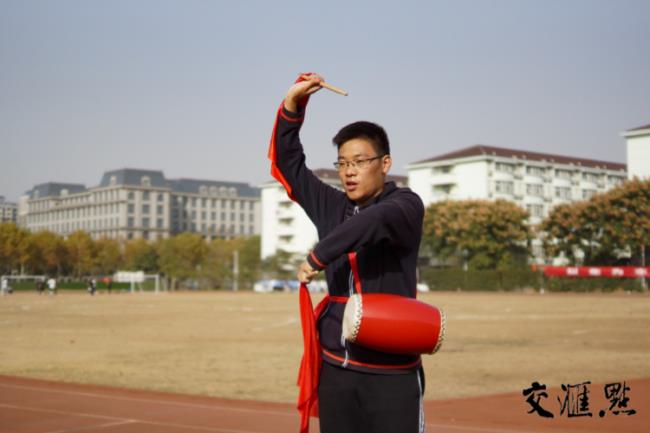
x=590, y=177
x=588, y=193
x=223, y=216
x=113, y=181
x=504, y=187
x=159, y=209
x=130, y=222
x=535, y=190
x=563, y=192
x=145, y=209
x=145, y=195
x=131, y=208
x=535, y=210
x=159, y=223
x=145, y=181
x=145, y=222
x=161, y=197
x=131, y=195
x=563, y=174
x=535, y=171
x=145, y=234
x=506, y=168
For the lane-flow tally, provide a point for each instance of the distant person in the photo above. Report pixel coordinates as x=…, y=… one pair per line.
x=109, y=284
x=5, y=287
x=51, y=285
x=92, y=286
x=40, y=286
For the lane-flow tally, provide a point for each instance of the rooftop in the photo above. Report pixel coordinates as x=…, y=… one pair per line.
x=481, y=149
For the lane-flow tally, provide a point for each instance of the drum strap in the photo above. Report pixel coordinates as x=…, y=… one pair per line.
x=355, y=271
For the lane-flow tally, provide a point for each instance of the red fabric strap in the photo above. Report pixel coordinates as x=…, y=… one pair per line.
x=355, y=270
x=272, y=153
x=309, y=374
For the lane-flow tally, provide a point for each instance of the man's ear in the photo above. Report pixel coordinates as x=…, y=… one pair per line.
x=386, y=163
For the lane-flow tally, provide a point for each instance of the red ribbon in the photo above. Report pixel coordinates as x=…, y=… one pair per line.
x=309, y=374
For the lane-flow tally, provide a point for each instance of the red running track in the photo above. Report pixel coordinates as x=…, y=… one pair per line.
x=38, y=406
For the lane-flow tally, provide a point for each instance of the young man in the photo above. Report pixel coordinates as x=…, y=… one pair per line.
x=369, y=236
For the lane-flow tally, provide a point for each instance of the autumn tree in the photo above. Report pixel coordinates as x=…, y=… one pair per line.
x=108, y=257
x=48, y=253
x=602, y=229
x=140, y=255
x=483, y=234
x=14, y=247
x=181, y=257
x=81, y=253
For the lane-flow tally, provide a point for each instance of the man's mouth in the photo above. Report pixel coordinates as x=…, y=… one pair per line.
x=351, y=186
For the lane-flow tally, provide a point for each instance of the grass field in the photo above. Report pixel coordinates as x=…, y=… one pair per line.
x=247, y=345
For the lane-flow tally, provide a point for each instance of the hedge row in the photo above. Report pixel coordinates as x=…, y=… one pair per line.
x=519, y=279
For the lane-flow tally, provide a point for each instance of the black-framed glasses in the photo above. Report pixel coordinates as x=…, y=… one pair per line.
x=357, y=164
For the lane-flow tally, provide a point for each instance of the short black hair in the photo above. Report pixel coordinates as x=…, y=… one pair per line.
x=372, y=132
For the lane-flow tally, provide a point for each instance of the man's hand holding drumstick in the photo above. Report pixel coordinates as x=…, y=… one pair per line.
x=312, y=84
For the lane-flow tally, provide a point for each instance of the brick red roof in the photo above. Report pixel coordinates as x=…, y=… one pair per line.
x=327, y=173
x=639, y=128
x=524, y=154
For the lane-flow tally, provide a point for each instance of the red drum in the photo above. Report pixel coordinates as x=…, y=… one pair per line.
x=393, y=324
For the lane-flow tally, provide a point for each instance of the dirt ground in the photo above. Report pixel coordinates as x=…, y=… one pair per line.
x=248, y=345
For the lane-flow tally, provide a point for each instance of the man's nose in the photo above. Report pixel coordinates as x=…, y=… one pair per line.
x=350, y=170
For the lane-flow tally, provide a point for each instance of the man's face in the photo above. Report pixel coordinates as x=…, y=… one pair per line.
x=365, y=182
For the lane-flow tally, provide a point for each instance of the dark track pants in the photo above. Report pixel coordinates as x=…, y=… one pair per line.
x=354, y=402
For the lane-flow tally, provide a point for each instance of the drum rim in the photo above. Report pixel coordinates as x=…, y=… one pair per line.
x=443, y=329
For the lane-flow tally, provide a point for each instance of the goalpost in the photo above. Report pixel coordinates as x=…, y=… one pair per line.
x=137, y=278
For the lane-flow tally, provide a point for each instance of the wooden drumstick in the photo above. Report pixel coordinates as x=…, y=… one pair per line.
x=329, y=87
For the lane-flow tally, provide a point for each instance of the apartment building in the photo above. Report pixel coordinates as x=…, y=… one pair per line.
x=135, y=203
x=535, y=181
x=638, y=152
x=8, y=210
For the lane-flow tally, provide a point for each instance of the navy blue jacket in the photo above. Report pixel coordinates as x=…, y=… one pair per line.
x=385, y=235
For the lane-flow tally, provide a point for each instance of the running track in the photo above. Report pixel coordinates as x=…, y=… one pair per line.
x=37, y=406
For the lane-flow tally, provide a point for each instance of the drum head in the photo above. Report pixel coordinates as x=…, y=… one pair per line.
x=352, y=318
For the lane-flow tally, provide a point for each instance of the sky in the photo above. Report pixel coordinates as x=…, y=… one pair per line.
x=192, y=87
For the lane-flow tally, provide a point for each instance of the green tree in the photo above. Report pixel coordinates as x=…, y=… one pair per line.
x=140, y=255
x=108, y=256
x=48, y=253
x=14, y=247
x=483, y=234
x=181, y=257
x=81, y=253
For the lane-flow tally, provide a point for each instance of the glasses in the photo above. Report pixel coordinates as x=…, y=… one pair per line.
x=359, y=164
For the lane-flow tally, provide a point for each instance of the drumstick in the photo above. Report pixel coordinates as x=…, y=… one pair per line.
x=329, y=87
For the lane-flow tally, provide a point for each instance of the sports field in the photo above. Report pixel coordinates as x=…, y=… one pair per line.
x=248, y=345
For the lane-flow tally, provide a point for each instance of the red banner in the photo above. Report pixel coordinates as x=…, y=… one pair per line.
x=597, y=271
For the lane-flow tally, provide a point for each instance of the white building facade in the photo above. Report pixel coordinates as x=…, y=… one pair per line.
x=135, y=203
x=638, y=152
x=285, y=226
x=535, y=181
x=8, y=210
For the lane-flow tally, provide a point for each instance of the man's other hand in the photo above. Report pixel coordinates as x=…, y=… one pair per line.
x=306, y=273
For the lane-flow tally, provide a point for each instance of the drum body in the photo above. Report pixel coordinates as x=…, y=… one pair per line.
x=393, y=324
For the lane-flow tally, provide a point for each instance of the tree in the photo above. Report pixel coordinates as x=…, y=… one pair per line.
x=600, y=229
x=109, y=257
x=140, y=255
x=483, y=234
x=14, y=247
x=182, y=256
x=81, y=253
x=48, y=253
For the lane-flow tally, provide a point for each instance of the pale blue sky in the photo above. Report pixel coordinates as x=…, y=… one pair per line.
x=191, y=87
